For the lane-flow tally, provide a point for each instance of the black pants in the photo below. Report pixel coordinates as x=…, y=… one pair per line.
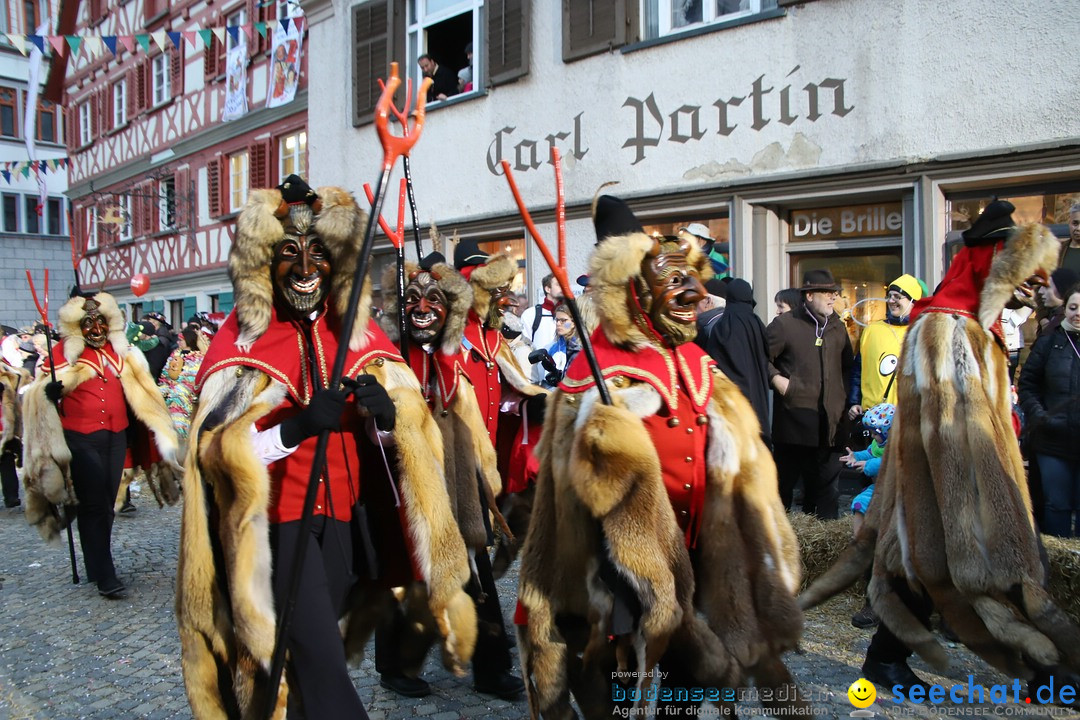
x=886, y=647
x=9, y=479
x=320, y=686
x=97, y=462
x=819, y=468
x=492, y=654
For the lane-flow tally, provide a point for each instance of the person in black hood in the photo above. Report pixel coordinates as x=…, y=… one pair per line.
x=737, y=343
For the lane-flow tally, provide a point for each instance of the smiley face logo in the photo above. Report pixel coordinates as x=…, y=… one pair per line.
x=862, y=693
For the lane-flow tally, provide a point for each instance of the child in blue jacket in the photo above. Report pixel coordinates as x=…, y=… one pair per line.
x=877, y=421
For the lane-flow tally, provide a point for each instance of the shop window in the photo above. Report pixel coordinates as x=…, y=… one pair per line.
x=159, y=78
x=120, y=103
x=8, y=113
x=515, y=248
x=863, y=276
x=11, y=212
x=238, y=180
x=1050, y=209
x=47, y=115
x=32, y=213
x=718, y=229
x=292, y=155
x=85, y=123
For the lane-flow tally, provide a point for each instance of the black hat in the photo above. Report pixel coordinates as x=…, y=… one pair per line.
x=431, y=260
x=583, y=280
x=294, y=190
x=717, y=287
x=468, y=254
x=613, y=217
x=155, y=315
x=1064, y=280
x=817, y=281
x=993, y=224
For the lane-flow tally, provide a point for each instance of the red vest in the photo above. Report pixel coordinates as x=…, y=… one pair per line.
x=98, y=403
x=683, y=377
x=481, y=347
x=282, y=353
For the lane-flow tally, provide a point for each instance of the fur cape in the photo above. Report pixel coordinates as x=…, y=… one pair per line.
x=951, y=514
x=467, y=448
x=47, y=461
x=12, y=379
x=728, y=612
x=224, y=598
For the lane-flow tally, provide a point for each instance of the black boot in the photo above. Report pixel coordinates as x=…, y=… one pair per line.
x=887, y=675
x=404, y=685
x=503, y=685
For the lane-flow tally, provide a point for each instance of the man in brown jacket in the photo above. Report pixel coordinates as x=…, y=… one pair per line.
x=810, y=360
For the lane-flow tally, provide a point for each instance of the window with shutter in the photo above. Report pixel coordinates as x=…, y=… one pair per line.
x=595, y=26
x=507, y=40
x=71, y=124
x=375, y=26
x=176, y=71
x=265, y=12
x=210, y=60
x=105, y=100
x=259, y=153
x=148, y=192
x=213, y=187
x=95, y=116
x=139, y=90
x=182, y=199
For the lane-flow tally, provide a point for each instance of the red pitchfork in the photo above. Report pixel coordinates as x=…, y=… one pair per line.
x=397, y=239
x=393, y=147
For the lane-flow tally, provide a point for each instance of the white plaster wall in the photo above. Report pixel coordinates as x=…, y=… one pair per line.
x=924, y=78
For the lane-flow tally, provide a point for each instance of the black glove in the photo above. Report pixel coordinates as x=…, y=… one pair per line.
x=534, y=409
x=54, y=391
x=322, y=413
x=373, y=397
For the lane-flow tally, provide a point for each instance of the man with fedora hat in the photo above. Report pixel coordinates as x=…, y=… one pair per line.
x=810, y=361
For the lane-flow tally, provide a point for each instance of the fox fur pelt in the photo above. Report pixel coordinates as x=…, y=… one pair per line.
x=224, y=602
x=951, y=514
x=47, y=462
x=12, y=379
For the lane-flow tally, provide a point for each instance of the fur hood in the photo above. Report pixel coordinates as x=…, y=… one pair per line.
x=341, y=225
x=71, y=315
x=496, y=272
x=1030, y=248
x=458, y=291
x=614, y=276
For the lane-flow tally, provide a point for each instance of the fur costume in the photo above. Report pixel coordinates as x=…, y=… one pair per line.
x=12, y=378
x=724, y=612
x=47, y=473
x=951, y=514
x=224, y=600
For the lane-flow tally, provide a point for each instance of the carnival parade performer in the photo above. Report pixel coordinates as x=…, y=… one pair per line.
x=657, y=534
x=74, y=429
x=437, y=303
x=951, y=522
x=382, y=513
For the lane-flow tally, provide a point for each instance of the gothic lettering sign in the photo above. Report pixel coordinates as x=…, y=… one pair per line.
x=740, y=112
x=879, y=220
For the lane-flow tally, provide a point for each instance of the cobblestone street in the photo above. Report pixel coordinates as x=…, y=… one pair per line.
x=67, y=653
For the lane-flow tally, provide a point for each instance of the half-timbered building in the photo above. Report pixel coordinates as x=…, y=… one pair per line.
x=157, y=176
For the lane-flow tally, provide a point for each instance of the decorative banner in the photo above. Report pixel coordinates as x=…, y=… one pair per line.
x=236, y=105
x=285, y=67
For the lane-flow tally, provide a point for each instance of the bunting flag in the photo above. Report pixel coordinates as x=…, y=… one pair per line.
x=96, y=45
x=7, y=175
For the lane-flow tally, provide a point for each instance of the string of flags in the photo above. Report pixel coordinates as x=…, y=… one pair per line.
x=9, y=170
x=95, y=45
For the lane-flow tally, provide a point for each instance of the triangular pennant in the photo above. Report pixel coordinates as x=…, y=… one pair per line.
x=93, y=45
x=6, y=174
x=207, y=37
x=234, y=33
x=26, y=171
x=219, y=33
x=19, y=41
x=175, y=37
x=261, y=27
x=285, y=23
x=298, y=23
x=110, y=42
x=57, y=44
x=74, y=42
x=159, y=38
x=249, y=31
x=128, y=41
x=144, y=41
x=43, y=166
x=39, y=41
x=190, y=36
x=53, y=163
